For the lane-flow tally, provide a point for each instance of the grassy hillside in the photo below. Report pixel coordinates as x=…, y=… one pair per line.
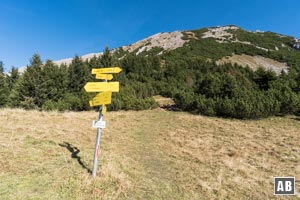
x=153, y=154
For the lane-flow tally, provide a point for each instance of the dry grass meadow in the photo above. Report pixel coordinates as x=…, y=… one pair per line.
x=153, y=154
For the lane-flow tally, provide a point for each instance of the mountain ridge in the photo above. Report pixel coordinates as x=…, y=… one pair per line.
x=169, y=41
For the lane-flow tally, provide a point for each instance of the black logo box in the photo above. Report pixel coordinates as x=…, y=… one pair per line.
x=284, y=185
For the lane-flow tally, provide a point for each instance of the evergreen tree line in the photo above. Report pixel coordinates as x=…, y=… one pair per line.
x=232, y=91
x=195, y=84
x=47, y=86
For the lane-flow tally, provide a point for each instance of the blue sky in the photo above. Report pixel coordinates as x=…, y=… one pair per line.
x=58, y=29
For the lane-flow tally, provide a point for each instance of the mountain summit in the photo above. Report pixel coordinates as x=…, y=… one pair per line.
x=221, y=44
x=224, y=37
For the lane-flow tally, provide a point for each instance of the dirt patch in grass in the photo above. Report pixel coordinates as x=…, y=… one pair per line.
x=164, y=101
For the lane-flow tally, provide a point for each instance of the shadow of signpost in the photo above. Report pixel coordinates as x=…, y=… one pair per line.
x=74, y=154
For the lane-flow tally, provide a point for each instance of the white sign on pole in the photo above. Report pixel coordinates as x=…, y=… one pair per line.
x=99, y=124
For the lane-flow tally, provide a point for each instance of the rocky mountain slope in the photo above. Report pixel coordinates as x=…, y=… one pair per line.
x=226, y=44
x=222, y=36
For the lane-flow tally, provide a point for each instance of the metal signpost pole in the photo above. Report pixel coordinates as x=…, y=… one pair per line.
x=97, y=146
x=104, y=97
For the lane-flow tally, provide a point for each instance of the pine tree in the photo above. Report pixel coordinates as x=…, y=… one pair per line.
x=94, y=62
x=12, y=77
x=4, y=91
x=78, y=75
x=107, y=59
x=53, y=82
x=29, y=86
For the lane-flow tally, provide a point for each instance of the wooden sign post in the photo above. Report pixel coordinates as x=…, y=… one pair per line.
x=101, y=99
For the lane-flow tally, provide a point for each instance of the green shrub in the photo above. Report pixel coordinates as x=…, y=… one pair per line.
x=50, y=105
x=72, y=101
x=28, y=103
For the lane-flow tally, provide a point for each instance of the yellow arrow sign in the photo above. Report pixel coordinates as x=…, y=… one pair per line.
x=102, y=86
x=104, y=76
x=101, y=98
x=109, y=70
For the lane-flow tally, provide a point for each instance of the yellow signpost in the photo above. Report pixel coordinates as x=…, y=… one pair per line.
x=104, y=76
x=103, y=109
x=109, y=70
x=101, y=99
x=102, y=86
